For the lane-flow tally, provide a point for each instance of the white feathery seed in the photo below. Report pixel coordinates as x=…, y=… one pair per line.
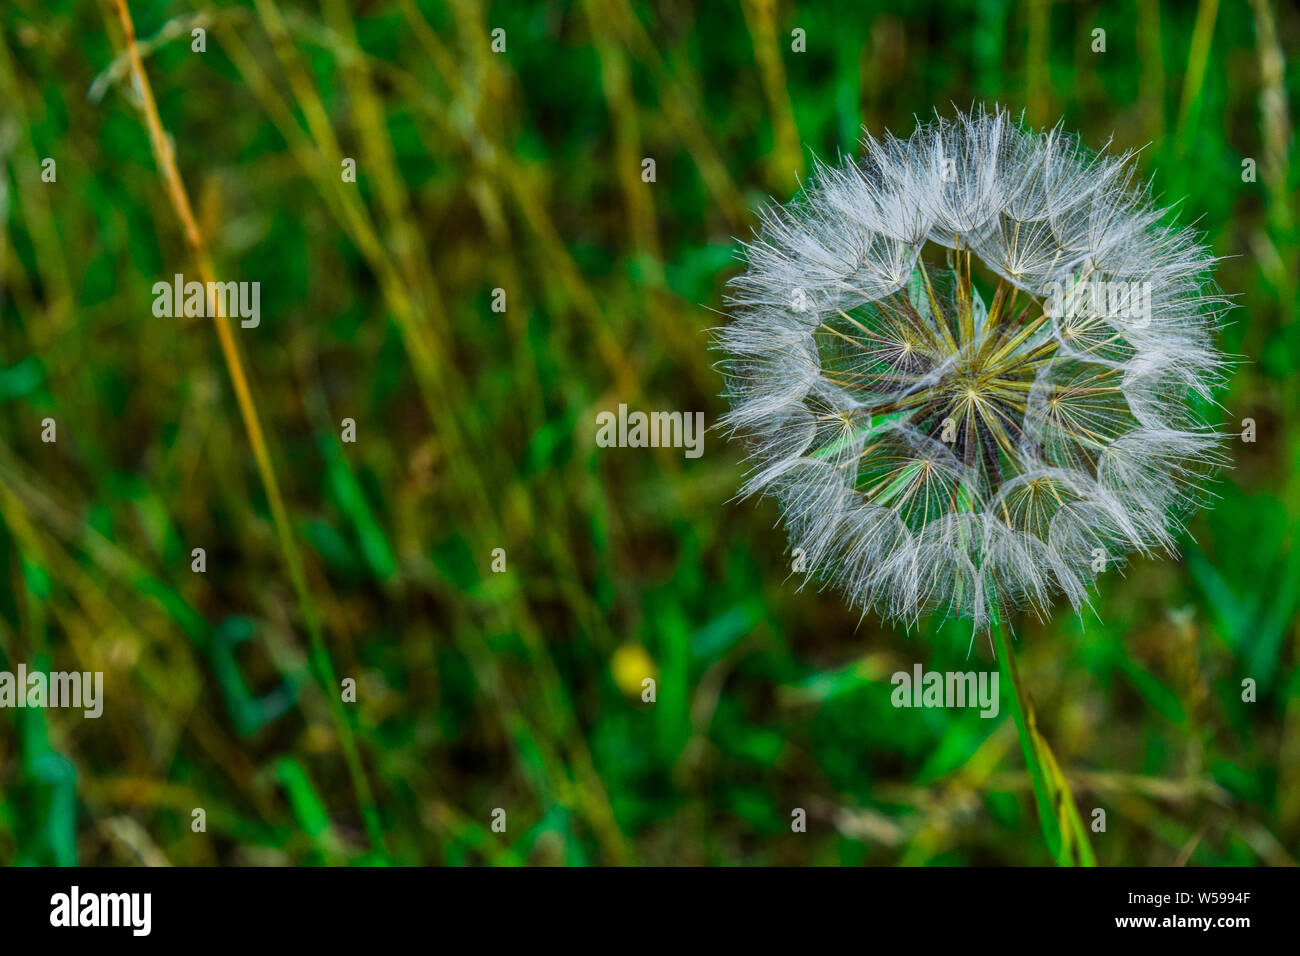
x=932, y=452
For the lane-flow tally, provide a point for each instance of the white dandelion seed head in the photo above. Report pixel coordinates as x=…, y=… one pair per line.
x=935, y=452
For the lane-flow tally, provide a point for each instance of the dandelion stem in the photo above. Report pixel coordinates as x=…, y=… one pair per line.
x=1066, y=837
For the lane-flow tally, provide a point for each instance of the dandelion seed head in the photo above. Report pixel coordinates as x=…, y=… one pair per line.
x=934, y=451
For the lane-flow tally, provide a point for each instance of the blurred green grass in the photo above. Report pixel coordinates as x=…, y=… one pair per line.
x=520, y=690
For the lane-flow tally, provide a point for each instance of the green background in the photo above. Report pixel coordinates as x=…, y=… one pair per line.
x=475, y=430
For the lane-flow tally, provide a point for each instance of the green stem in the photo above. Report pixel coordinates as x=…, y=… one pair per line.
x=1066, y=836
